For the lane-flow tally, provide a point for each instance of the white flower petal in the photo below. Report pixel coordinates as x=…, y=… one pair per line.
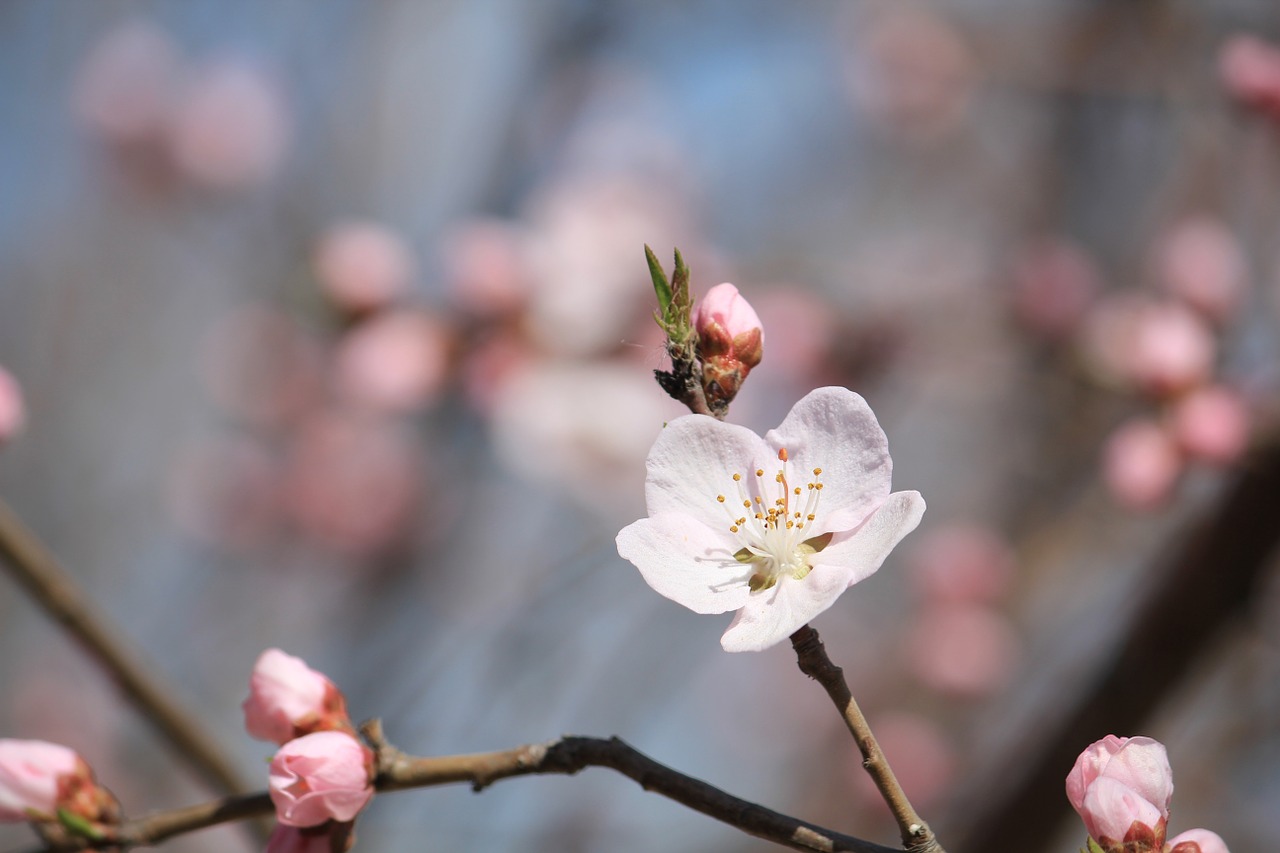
x=687, y=562
x=834, y=429
x=770, y=616
x=862, y=551
x=693, y=461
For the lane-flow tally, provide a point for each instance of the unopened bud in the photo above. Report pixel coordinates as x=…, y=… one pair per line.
x=730, y=341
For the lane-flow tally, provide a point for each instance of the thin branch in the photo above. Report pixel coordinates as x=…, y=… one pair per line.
x=811, y=655
x=564, y=756
x=60, y=596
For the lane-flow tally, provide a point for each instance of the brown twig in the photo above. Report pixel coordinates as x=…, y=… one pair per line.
x=60, y=596
x=811, y=655
x=564, y=756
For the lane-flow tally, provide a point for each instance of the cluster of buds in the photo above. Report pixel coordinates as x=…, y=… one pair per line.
x=712, y=345
x=50, y=786
x=1121, y=787
x=322, y=775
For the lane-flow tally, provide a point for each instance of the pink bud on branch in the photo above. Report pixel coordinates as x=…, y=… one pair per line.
x=730, y=341
x=320, y=777
x=45, y=782
x=288, y=699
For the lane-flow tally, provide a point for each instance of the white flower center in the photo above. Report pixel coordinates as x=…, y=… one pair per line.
x=773, y=527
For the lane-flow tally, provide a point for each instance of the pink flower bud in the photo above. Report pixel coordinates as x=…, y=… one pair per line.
x=1198, y=841
x=1122, y=786
x=730, y=341
x=1141, y=464
x=12, y=410
x=288, y=699
x=30, y=772
x=1212, y=424
x=319, y=777
x=1250, y=72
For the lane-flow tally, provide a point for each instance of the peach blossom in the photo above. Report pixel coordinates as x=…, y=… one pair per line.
x=231, y=127
x=1141, y=463
x=396, y=361
x=1171, y=349
x=30, y=776
x=910, y=71
x=363, y=266
x=1250, y=71
x=1054, y=283
x=126, y=86
x=773, y=527
x=730, y=341
x=487, y=266
x=1118, y=782
x=320, y=777
x=1202, y=263
x=354, y=481
x=287, y=697
x=965, y=650
x=963, y=563
x=1212, y=424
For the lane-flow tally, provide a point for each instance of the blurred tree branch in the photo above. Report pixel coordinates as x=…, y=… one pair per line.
x=1195, y=590
x=56, y=590
x=564, y=756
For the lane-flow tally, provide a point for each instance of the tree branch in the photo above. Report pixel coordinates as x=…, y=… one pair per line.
x=57, y=592
x=564, y=756
x=812, y=658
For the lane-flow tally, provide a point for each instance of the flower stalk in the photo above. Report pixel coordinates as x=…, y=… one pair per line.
x=812, y=658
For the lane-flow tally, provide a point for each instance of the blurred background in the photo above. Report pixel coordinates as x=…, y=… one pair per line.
x=326, y=326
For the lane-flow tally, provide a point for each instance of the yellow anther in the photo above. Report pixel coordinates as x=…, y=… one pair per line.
x=817, y=471
x=737, y=477
x=720, y=498
x=759, y=472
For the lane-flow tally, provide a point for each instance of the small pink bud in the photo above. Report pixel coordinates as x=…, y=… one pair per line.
x=1202, y=263
x=1198, y=841
x=320, y=777
x=12, y=409
x=1171, y=350
x=1141, y=464
x=730, y=341
x=288, y=699
x=363, y=266
x=1250, y=72
x=1212, y=424
x=30, y=772
x=1121, y=788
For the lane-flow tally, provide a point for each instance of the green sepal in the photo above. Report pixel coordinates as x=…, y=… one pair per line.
x=816, y=544
x=675, y=306
x=744, y=555
x=660, y=284
x=1094, y=847
x=77, y=825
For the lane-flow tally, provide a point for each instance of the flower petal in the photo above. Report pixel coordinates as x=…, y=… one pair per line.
x=1208, y=842
x=687, y=561
x=863, y=550
x=834, y=429
x=770, y=616
x=693, y=461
